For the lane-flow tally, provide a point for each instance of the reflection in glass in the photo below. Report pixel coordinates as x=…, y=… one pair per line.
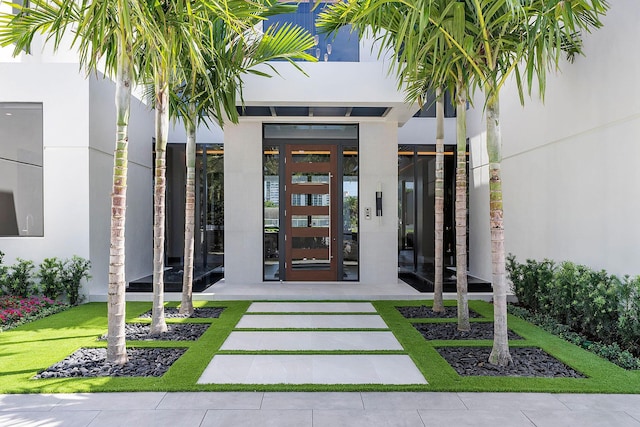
x=311, y=243
x=406, y=206
x=299, y=221
x=21, y=173
x=302, y=156
x=271, y=189
x=310, y=200
x=350, y=213
x=416, y=218
x=309, y=178
x=210, y=174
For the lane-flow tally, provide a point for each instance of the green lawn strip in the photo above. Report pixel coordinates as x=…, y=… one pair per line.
x=30, y=348
x=33, y=347
x=603, y=376
x=38, y=345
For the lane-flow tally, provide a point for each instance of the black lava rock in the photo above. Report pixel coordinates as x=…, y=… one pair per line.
x=449, y=331
x=175, y=332
x=92, y=362
x=198, y=313
x=527, y=362
x=424, y=312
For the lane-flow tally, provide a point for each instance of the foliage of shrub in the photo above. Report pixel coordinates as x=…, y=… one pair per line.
x=50, y=275
x=3, y=273
x=612, y=352
x=17, y=279
x=73, y=271
x=597, y=305
x=56, y=278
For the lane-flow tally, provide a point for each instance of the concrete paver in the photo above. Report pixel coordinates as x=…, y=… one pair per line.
x=149, y=418
x=324, y=409
x=412, y=400
x=320, y=400
x=197, y=400
x=473, y=418
x=543, y=418
x=311, y=307
x=311, y=369
x=315, y=321
x=267, y=417
x=37, y=418
x=311, y=340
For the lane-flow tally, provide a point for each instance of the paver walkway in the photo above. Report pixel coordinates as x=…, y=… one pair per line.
x=335, y=326
x=239, y=409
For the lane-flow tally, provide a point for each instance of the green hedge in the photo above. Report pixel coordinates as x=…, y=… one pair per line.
x=600, y=306
x=56, y=278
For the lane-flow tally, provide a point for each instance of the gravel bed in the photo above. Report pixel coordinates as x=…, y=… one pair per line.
x=449, y=331
x=91, y=362
x=198, y=313
x=175, y=332
x=424, y=312
x=527, y=362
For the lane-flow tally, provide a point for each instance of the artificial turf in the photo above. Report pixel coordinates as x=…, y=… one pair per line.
x=28, y=349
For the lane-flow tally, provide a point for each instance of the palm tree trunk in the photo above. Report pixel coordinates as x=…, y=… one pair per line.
x=461, y=209
x=438, y=305
x=186, y=307
x=116, y=343
x=158, y=324
x=500, y=353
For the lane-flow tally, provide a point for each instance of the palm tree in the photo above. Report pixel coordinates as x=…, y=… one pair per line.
x=234, y=56
x=499, y=36
x=117, y=31
x=187, y=29
x=438, y=303
x=405, y=33
x=107, y=30
x=491, y=38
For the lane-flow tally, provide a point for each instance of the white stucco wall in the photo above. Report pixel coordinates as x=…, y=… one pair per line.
x=243, y=226
x=570, y=165
x=139, y=221
x=64, y=94
x=378, y=237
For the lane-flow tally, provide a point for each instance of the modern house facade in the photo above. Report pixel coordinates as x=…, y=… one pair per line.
x=327, y=176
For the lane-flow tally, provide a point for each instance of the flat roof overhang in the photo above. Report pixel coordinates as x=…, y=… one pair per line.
x=326, y=91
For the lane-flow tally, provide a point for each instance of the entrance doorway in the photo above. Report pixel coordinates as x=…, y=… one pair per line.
x=311, y=212
x=310, y=202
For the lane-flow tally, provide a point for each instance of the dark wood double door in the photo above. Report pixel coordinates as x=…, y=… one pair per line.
x=311, y=212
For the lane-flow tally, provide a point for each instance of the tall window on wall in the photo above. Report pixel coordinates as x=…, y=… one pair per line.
x=21, y=164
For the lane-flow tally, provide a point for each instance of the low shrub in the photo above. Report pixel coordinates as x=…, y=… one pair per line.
x=18, y=279
x=612, y=352
x=73, y=271
x=56, y=277
x=50, y=275
x=596, y=305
